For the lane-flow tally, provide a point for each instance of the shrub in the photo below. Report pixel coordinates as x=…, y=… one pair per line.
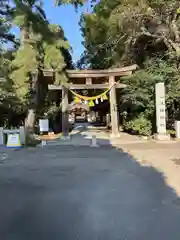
x=140, y=125
x=31, y=141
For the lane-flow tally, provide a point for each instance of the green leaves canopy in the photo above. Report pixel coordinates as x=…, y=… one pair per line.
x=42, y=46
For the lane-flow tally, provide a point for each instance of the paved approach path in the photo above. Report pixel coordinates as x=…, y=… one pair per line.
x=83, y=193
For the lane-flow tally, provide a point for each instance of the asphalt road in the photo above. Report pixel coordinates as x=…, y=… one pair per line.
x=81, y=193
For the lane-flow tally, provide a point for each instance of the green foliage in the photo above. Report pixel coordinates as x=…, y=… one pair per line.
x=39, y=49
x=9, y=102
x=129, y=31
x=5, y=83
x=139, y=96
x=42, y=46
x=52, y=110
x=146, y=32
x=76, y=3
x=140, y=125
x=31, y=141
x=5, y=22
x=53, y=55
x=24, y=63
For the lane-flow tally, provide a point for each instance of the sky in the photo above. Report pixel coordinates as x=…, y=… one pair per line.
x=68, y=19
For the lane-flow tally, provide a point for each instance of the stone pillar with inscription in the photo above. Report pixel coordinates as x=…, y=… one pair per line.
x=177, y=128
x=113, y=108
x=160, y=112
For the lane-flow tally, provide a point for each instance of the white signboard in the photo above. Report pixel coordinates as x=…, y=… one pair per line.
x=160, y=108
x=13, y=140
x=44, y=125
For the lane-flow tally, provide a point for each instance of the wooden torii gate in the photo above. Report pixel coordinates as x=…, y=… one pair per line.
x=93, y=79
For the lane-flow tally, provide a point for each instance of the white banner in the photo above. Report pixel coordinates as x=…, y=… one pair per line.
x=44, y=125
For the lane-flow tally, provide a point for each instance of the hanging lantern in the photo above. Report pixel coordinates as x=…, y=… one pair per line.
x=97, y=101
x=102, y=99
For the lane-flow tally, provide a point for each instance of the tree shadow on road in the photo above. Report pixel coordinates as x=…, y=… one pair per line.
x=69, y=193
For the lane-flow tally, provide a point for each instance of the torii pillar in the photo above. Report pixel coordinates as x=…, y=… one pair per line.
x=65, y=120
x=113, y=108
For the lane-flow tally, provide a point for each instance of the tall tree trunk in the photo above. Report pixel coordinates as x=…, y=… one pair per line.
x=31, y=114
x=30, y=120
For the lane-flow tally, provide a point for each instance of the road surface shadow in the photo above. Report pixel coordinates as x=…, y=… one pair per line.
x=83, y=193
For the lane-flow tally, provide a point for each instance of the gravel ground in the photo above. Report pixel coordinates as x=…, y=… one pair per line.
x=165, y=157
